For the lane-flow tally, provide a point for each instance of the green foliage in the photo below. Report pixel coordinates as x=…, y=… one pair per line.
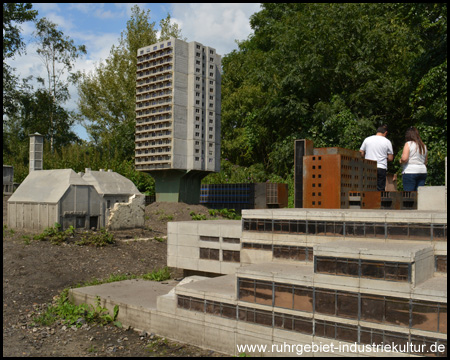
x=226, y=213
x=108, y=95
x=97, y=239
x=332, y=73
x=55, y=235
x=158, y=275
x=195, y=216
x=75, y=315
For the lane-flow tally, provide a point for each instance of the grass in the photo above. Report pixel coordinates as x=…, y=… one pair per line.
x=76, y=315
x=158, y=275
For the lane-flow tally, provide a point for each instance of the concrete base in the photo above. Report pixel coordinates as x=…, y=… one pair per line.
x=432, y=198
x=178, y=185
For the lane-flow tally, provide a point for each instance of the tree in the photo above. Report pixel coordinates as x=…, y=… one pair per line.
x=13, y=14
x=107, y=95
x=58, y=53
x=331, y=73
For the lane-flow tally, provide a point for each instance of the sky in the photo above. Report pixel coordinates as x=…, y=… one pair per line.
x=98, y=26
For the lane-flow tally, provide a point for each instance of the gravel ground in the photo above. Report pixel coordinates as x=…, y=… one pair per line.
x=36, y=272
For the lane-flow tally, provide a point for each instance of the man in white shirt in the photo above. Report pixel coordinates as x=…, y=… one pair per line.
x=378, y=148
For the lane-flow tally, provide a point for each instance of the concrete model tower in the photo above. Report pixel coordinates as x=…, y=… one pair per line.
x=178, y=116
x=36, y=151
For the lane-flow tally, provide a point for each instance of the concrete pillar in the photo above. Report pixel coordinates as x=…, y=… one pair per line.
x=178, y=185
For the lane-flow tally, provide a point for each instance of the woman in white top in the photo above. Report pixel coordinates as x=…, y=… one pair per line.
x=414, y=161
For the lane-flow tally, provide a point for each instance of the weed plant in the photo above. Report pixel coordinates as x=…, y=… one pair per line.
x=158, y=275
x=55, y=235
x=100, y=239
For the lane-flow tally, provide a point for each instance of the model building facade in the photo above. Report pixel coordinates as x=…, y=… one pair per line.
x=177, y=112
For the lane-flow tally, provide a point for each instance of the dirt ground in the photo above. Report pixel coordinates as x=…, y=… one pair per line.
x=34, y=272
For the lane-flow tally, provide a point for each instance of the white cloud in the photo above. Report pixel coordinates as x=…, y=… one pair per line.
x=215, y=25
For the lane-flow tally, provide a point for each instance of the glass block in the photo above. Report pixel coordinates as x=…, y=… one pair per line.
x=285, y=226
x=369, y=230
x=330, y=330
x=397, y=312
x=242, y=313
x=303, y=326
x=277, y=251
x=197, y=305
x=268, y=226
x=347, y=333
x=365, y=336
x=301, y=227
x=349, y=229
x=396, y=271
x=231, y=240
x=283, y=296
x=209, y=307
x=420, y=345
x=359, y=230
x=420, y=231
x=183, y=302
x=439, y=232
x=285, y=252
x=372, y=308
x=216, y=308
x=204, y=253
x=339, y=229
x=311, y=227
x=229, y=311
x=372, y=269
x=441, y=263
x=246, y=224
x=278, y=320
x=397, y=231
x=347, y=267
x=298, y=253
x=329, y=228
x=325, y=302
x=401, y=340
x=277, y=226
x=263, y=294
x=303, y=298
x=310, y=254
x=250, y=315
x=325, y=265
x=319, y=329
x=260, y=225
x=263, y=318
x=227, y=255
x=320, y=228
x=424, y=316
x=214, y=254
x=288, y=322
x=377, y=337
x=236, y=256
x=247, y=290
x=380, y=231
x=443, y=318
x=293, y=226
x=347, y=305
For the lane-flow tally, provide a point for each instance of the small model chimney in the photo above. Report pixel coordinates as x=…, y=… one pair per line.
x=36, y=151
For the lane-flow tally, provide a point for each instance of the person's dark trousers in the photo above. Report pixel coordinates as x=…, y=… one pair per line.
x=381, y=179
x=412, y=181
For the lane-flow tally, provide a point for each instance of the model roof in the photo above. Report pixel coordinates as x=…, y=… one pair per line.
x=110, y=183
x=46, y=186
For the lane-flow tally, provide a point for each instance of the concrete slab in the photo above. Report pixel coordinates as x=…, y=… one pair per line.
x=142, y=293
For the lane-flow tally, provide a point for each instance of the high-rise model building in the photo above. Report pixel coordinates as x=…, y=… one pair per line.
x=178, y=116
